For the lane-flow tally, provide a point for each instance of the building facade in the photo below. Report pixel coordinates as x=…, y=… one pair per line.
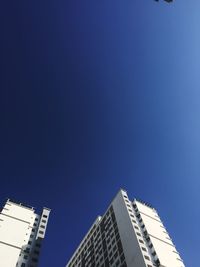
x=21, y=234
x=129, y=234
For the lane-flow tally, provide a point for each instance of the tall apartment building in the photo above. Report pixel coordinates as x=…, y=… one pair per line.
x=129, y=234
x=21, y=234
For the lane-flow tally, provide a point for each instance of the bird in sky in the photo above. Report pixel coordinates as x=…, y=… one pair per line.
x=168, y=1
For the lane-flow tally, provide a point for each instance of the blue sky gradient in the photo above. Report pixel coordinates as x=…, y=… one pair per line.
x=98, y=95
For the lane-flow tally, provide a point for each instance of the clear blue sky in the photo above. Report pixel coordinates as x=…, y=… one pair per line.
x=98, y=95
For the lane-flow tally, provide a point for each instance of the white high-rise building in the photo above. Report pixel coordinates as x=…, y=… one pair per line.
x=21, y=234
x=129, y=234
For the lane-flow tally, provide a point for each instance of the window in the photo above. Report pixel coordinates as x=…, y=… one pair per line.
x=41, y=232
x=101, y=259
x=141, y=241
x=44, y=221
x=45, y=216
x=111, y=261
x=27, y=250
x=122, y=258
x=29, y=242
x=23, y=265
x=117, y=263
x=144, y=249
x=110, y=254
x=25, y=257
x=147, y=258
x=42, y=226
x=117, y=236
x=148, y=238
x=116, y=231
x=138, y=234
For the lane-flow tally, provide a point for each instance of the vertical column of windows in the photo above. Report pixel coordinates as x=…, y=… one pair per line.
x=148, y=251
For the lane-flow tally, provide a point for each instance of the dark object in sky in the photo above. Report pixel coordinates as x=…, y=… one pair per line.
x=168, y=1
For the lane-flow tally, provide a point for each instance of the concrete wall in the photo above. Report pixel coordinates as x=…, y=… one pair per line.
x=21, y=230
x=162, y=243
x=14, y=232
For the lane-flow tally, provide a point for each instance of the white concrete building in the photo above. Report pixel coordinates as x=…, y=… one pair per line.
x=129, y=234
x=21, y=234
